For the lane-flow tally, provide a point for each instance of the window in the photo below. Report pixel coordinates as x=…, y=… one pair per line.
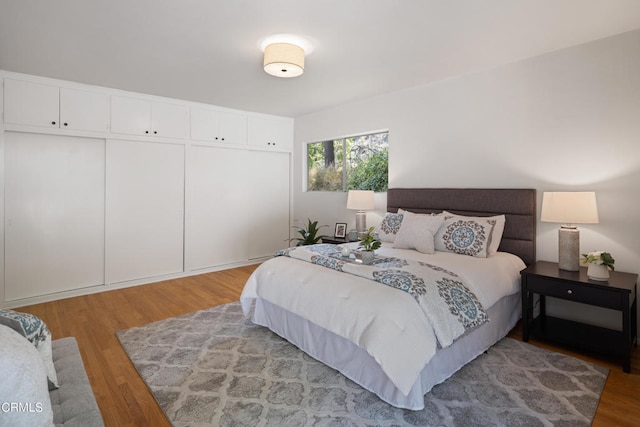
x=354, y=163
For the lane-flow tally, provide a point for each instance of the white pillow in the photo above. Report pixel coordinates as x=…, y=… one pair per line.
x=417, y=232
x=389, y=227
x=496, y=232
x=464, y=236
x=24, y=392
x=36, y=332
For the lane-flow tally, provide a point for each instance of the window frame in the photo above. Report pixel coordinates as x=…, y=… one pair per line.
x=345, y=183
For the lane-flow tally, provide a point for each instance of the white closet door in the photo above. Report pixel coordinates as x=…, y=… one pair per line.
x=145, y=210
x=54, y=214
x=217, y=212
x=269, y=201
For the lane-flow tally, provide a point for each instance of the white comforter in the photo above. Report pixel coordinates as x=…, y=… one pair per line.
x=386, y=322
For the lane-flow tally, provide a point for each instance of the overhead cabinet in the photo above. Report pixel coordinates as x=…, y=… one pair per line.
x=272, y=133
x=215, y=126
x=35, y=104
x=135, y=116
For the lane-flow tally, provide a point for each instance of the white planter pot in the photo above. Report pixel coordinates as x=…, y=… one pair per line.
x=597, y=272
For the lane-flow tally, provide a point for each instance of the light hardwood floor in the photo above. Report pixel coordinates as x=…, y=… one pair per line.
x=124, y=399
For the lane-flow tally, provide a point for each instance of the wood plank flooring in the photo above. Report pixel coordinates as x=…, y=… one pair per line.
x=124, y=399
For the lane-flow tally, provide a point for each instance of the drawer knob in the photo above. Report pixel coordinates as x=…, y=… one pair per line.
x=569, y=291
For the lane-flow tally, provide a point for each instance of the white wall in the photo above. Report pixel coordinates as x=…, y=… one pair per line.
x=564, y=121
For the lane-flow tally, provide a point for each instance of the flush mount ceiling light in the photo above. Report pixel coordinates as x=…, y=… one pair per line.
x=284, y=59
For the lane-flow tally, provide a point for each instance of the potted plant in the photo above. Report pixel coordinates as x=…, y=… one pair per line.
x=369, y=244
x=309, y=234
x=599, y=264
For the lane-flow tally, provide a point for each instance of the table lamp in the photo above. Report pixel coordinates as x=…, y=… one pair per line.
x=569, y=208
x=360, y=201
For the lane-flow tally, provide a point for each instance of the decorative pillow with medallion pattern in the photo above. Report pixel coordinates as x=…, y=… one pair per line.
x=496, y=232
x=465, y=236
x=36, y=332
x=389, y=227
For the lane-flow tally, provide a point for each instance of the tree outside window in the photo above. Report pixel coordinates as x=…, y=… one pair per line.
x=353, y=163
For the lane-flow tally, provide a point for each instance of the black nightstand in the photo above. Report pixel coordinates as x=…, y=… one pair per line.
x=335, y=240
x=618, y=293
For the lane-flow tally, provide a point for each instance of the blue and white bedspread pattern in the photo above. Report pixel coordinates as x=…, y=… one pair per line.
x=450, y=306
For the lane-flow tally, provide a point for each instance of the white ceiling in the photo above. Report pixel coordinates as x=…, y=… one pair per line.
x=208, y=50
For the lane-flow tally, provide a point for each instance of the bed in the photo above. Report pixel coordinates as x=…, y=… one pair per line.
x=378, y=336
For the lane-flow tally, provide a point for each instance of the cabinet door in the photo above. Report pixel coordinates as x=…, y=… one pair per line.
x=130, y=116
x=216, y=210
x=269, y=202
x=204, y=125
x=271, y=133
x=233, y=128
x=168, y=120
x=54, y=214
x=82, y=110
x=27, y=103
x=144, y=210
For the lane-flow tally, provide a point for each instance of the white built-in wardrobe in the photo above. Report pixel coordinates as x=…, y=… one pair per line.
x=106, y=188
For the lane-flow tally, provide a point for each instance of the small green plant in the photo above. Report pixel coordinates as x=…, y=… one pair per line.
x=309, y=234
x=600, y=258
x=370, y=241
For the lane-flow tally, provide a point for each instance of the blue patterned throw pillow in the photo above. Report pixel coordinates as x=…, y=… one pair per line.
x=36, y=332
x=389, y=227
x=496, y=231
x=465, y=236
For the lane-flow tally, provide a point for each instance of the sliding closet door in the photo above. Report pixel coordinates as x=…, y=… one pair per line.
x=217, y=207
x=269, y=199
x=144, y=210
x=54, y=214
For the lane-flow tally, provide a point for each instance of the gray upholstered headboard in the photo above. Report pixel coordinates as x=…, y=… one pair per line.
x=518, y=205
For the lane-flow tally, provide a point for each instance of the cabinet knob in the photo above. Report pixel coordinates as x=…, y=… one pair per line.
x=222, y=139
x=53, y=122
x=570, y=292
x=216, y=138
x=66, y=124
x=146, y=131
x=155, y=132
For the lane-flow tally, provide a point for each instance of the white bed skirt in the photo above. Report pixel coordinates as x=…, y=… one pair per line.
x=357, y=365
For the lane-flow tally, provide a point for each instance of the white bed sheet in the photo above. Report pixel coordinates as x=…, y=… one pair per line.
x=388, y=324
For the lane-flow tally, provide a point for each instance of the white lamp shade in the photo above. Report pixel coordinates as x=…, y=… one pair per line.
x=284, y=60
x=360, y=200
x=569, y=207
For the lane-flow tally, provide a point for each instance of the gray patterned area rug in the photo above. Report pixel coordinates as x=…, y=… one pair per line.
x=216, y=368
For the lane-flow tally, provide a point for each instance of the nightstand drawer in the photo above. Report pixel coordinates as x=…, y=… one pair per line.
x=575, y=292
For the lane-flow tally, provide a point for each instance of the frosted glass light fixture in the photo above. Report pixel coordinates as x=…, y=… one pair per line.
x=569, y=208
x=284, y=60
x=360, y=201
